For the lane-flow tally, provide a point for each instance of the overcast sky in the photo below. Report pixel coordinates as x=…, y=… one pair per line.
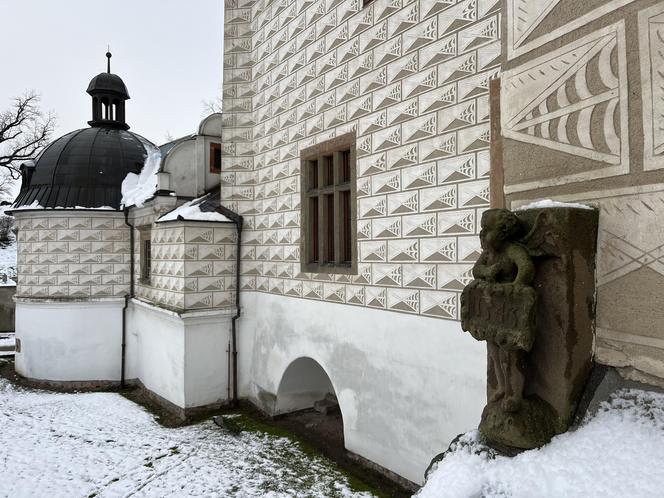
x=168, y=52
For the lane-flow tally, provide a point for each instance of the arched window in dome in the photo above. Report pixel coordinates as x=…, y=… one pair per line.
x=105, y=108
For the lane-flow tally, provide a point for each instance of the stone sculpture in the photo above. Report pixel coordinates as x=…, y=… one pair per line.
x=534, y=271
x=499, y=305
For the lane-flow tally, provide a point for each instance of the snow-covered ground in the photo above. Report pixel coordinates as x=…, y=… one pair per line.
x=7, y=255
x=8, y=263
x=7, y=340
x=101, y=444
x=617, y=453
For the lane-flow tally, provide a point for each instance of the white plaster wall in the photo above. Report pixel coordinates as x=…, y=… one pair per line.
x=181, y=358
x=182, y=166
x=206, y=359
x=69, y=341
x=407, y=385
x=155, y=351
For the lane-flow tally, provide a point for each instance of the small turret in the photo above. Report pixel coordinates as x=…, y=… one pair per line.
x=109, y=95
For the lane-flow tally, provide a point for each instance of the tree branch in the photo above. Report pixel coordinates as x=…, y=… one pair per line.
x=24, y=132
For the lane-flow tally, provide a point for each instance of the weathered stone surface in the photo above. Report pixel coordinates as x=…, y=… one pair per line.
x=531, y=426
x=561, y=359
x=532, y=300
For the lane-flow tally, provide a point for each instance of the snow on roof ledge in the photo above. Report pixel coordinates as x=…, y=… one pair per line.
x=548, y=203
x=36, y=206
x=190, y=211
x=138, y=188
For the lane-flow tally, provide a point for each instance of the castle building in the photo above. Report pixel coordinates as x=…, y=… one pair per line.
x=314, y=238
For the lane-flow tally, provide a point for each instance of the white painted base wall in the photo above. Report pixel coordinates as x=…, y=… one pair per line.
x=181, y=358
x=407, y=385
x=69, y=341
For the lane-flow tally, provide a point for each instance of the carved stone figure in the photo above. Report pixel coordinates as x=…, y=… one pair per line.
x=531, y=300
x=499, y=305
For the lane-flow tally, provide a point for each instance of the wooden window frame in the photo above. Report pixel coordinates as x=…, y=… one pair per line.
x=214, y=147
x=145, y=255
x=325, y=200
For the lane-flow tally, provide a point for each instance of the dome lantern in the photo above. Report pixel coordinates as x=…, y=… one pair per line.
x=109, y=95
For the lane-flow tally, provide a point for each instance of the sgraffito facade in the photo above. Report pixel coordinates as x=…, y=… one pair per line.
x=582, y=115
x=193, y=265
x=410, y=80
x=73, y=255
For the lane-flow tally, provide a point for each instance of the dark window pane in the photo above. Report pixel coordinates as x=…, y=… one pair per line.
x=345, y=227
x=328, y=172
x=344, y=176
x=147, y=257
x=313, y=227
x=329, y=228
x=215, y=158
x=313, y=174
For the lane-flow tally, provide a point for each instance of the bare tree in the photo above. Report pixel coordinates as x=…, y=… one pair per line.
x=24, y=131
x=211, y=106
x=7, y=184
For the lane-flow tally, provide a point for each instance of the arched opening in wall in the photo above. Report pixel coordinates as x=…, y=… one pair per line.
x=303, y=383
x=308, y=404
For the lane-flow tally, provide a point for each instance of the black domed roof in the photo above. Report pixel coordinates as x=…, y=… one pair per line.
x=85, y=168
x=108, y=82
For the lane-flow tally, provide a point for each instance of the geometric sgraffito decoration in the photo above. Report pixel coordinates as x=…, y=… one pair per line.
x=633, y=239
x=651, y=54
x=411, y=81
x=573, y=100
x=525, y=17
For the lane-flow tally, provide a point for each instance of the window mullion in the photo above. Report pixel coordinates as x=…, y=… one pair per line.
x=321, y=213
x=336, y=167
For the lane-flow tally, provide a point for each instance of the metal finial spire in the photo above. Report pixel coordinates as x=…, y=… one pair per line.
x=108, y=56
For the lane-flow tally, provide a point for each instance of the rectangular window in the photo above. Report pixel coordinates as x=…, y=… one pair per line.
x=328, y=207
x=215, y=158
x=146, y=255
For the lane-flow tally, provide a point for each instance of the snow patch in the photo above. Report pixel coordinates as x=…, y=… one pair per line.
x=616, y=453
x=191, y=211
x=138, y=188
x=35, y=205
x=7, y=341
x=102, y=444
x=548, y=203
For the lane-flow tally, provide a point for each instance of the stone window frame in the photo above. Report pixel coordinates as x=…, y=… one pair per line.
x=145, y=254
x=315, y=235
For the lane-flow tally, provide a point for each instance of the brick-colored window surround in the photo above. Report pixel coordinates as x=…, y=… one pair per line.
x=146, y=254
x=328, y=238
x=215, y=158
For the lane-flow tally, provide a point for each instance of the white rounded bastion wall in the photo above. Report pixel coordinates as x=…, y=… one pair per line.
x=69, y=341
x=73, y=274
